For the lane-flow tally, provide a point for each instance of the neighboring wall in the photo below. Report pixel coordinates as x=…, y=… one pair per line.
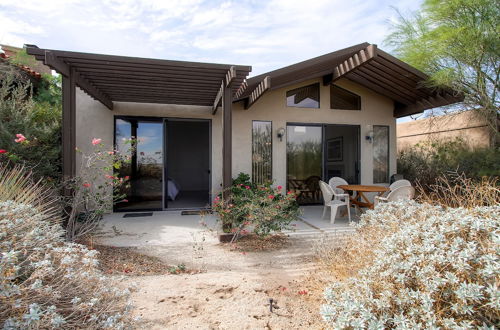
x=95, y=120
x=467, y=125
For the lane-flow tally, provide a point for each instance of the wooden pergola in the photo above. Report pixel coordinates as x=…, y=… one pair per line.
x=366, y=65
x=109, y=79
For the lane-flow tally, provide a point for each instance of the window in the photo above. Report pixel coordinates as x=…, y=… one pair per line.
x=262, y=151
x=342, y=99
x=303, y=97
x=380, y=154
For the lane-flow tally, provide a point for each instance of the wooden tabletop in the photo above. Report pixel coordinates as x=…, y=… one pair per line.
x=363, y=188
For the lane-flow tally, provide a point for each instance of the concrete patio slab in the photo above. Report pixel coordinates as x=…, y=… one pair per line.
x=171, y=227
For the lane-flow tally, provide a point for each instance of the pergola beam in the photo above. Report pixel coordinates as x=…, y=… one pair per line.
x=230, y=75
x=227, y=82
x=261, y=88
x=60, y=66
x=218, y=98
x=241, y=89
x=358, y=59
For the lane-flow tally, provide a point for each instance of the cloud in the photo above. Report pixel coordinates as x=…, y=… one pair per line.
x=266, y=35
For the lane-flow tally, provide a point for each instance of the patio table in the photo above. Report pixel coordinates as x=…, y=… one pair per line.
x=359, y=199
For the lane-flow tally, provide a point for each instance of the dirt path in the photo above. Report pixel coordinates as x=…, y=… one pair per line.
x=233, y=289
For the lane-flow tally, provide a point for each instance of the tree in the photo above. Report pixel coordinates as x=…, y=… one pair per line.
x=456, y=42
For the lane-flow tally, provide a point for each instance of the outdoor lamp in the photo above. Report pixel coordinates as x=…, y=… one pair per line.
x=281, y=133
x=369, y=133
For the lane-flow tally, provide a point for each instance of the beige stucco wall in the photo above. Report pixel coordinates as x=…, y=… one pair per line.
x=95, y=120
x=375, y=110
x=468, y=126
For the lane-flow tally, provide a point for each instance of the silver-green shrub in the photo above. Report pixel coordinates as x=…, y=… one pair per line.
x=46, y=282
x=436, y=268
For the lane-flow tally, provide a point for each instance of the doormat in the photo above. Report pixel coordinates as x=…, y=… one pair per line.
x=192, y=212
x=137, y=215
x=196, y=212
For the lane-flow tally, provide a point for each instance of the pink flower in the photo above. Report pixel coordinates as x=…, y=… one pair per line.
x=111, y=152
x=289, y=193
x=3, y=151
x=127, y=177
x=96, y=141
x=86, y=185
x=247, y=187
x=280, y=187
x=20, y=138
x=270, y=196
x=125, y=200
x=110, y=177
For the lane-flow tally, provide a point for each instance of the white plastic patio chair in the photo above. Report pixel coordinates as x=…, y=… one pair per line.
x=399, y=183
x=335, y=182
x=333, y=200
x=401, y=193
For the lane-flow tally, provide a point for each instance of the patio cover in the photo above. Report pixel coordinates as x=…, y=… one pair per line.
x=366, y=65
x=109, y=79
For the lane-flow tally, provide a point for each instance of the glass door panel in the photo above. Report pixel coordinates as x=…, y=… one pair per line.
x=146, y=167
x=304, y=162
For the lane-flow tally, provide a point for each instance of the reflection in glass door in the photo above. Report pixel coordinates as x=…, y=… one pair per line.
x=146, y=167
x=304, y=162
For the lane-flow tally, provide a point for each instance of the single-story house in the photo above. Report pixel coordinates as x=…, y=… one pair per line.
x=200, y=124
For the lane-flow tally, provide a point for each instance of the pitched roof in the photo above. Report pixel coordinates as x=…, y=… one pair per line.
x=364, y=64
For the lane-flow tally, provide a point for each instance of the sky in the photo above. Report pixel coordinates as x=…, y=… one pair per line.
x=264, y=34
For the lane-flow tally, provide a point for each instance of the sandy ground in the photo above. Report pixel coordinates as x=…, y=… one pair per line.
x=230, y=288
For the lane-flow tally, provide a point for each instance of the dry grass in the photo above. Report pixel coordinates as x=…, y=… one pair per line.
x=457, y=190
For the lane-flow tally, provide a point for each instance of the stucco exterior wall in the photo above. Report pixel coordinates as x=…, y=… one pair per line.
x=468, y=126
x=375, y=110
x=95, y=120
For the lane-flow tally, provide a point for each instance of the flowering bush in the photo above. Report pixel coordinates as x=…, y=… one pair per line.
x=258, y=208
x=46, y=282
x=95, y=189
x=433, y=268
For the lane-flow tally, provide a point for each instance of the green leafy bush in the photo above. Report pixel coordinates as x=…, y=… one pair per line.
x=427, y=161
x=254, y=207
x=38, y=119
x=425, y=267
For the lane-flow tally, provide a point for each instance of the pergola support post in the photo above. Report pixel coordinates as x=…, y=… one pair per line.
x=68, y=126
x=227, y=101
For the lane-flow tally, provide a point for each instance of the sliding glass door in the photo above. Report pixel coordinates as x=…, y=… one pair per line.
x=170, y=167
x=320, y=152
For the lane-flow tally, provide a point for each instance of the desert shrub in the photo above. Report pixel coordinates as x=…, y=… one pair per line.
x=46, y=282
x=35, y=117
x=427, y=161
x=19, y=185
x=457, y=190
x=421, y=266
x=256, y=207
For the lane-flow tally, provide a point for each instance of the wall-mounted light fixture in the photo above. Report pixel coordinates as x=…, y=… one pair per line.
x=369, y=133
x=281, y=133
